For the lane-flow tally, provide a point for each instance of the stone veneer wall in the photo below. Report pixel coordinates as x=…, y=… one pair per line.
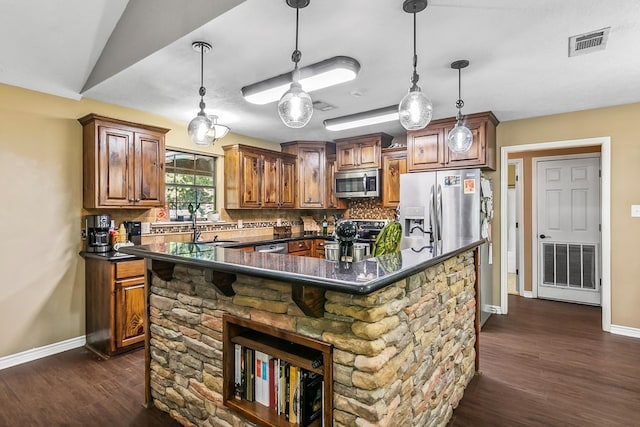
x=402, y=355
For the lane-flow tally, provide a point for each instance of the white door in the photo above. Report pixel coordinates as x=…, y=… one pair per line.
x=568, y=224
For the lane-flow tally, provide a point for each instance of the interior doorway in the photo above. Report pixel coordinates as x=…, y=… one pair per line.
x=514, y=228
x=601, y=145
x=566, y=243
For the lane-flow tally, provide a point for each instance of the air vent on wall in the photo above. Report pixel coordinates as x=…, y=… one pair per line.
x=588, y=42
x=323, y=106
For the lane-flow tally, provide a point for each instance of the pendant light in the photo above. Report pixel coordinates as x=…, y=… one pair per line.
x=295, y=107
x=199, y=127
x=460, y=137
x=415, y=109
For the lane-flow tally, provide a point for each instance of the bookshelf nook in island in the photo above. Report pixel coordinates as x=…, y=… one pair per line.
x=275, y=377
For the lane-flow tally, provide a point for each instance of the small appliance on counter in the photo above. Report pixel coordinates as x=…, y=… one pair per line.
x=134, y=231
x=346, y=232
x=97, y=230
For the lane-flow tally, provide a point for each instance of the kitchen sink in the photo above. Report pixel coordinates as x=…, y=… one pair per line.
x=217, y=242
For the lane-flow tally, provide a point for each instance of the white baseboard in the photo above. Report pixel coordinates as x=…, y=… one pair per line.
x=40, y=352
x=495, y=309
x=625, y=330
x=528, y=294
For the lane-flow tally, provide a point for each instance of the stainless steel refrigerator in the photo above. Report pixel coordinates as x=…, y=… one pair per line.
x=439, y=210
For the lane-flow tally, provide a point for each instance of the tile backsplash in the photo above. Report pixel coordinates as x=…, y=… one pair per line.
x=369, y=209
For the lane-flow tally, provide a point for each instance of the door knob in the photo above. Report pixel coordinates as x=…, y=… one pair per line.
x=543, y=236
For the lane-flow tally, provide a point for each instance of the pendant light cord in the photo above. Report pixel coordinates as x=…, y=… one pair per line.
x=459, y=102
x=414, y=77
x=202, y=90
x=296, y=55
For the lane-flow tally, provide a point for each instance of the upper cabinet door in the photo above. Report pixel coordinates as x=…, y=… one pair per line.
x=425, y=149
x=252, y=171
x=271, y=182
x=475, y=155
x=346, y=156
x=394, y=163
x=288, y=183
x=115, y=176
x=369, y=153
x=148, y=170
x=311, y=166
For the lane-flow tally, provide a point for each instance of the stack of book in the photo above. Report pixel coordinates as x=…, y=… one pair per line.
x=291, y=391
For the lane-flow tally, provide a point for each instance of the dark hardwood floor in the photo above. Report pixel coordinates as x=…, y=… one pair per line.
x=76, y=388
x=545, y=364
x=549, y=364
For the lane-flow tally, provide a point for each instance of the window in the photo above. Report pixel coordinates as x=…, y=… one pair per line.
x=190, y=180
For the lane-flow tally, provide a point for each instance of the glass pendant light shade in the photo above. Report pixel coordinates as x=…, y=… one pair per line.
x=198, y=130
x=295, y=108
x=460, y=138
x=415, y=110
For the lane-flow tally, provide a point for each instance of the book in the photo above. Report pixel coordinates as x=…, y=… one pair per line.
x=262, y=378
x=249, y=374
x=237, y=389
x=271, y=377
x=311, y=400
x=294, y=394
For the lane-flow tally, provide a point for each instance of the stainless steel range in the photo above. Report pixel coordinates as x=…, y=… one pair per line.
x=368, y=229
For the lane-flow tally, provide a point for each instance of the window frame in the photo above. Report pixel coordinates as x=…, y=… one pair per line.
x=176, y=206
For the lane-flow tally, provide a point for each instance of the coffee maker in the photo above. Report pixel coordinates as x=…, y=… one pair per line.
x=97, y=229
x=346, y=232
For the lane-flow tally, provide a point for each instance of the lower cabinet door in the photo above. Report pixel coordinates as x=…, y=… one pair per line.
x=129, y=312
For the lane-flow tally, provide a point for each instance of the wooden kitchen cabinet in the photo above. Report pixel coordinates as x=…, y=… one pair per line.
x=362, y=152
x=427, y=148
x=300, y=248
x=317, y=251
x=311, y=169
x=115, y=305
x=258, y=178
x=123, y=164
x=394, y=163
x=333, y=202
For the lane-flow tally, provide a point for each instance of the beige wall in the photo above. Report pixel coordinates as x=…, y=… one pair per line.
x=42, y=282
x=619, y=123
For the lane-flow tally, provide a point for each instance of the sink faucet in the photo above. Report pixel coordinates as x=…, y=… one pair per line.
x=194, y=221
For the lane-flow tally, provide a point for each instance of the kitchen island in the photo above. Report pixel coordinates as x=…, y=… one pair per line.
x=394, y=338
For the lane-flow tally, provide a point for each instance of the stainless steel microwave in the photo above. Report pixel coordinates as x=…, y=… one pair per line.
x=357, y=183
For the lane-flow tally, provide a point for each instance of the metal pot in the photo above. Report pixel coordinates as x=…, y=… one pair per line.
x=332, y=252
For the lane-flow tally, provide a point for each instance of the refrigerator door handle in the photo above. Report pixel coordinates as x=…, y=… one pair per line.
x=439, y=212
x=432, y=217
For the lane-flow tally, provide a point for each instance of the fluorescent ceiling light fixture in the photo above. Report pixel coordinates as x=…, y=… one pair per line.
x=366, y=118
x=329, y=72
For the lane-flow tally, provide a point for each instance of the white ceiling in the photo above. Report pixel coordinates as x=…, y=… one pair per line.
x=138, y=54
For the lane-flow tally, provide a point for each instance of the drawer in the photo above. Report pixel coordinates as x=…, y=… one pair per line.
x=126, y=269
x=299, y=245
x=319, y=244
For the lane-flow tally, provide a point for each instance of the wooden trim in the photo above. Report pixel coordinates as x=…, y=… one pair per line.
x=476, y=258
x=148, y=403
x=95, y=117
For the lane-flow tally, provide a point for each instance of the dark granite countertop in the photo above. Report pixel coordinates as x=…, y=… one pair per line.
x=108, y=256
x=265, y=239
x=361, y=277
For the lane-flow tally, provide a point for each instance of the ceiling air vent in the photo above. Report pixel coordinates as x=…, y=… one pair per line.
x=588, y=42
x=323, y=106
